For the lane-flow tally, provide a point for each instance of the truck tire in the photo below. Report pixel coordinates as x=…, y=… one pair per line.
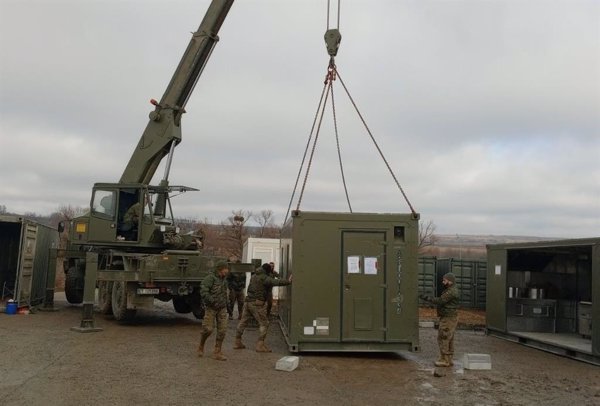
x=181, y=305
x=74, y=282
x=119, y=302
x=105, y=297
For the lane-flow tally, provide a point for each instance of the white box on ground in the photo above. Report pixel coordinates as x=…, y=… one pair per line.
x=477, y=361
x=288, y=363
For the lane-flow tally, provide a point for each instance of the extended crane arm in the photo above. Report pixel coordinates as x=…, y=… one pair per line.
x=163, y=131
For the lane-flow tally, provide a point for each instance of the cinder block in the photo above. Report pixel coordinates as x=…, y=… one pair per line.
x=477, y=361
x=288, y=363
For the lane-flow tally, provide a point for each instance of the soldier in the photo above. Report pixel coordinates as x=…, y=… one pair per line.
x=214, y=295
x=447, y=310
x=129, y=226
x=258, y=288
x=236, y=283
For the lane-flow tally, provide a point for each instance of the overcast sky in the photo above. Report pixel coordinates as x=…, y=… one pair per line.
x=488, y=112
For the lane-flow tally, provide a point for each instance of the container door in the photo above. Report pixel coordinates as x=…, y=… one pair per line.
x=363, y=282
x=27, y=256
x=496, y=289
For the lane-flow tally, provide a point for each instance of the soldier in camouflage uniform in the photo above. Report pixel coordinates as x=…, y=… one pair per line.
x=447, y=310
x=214, y=295
x=258, y=289
x=236, y=283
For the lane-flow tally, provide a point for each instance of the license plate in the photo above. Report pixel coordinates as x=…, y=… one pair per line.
x=148, y=291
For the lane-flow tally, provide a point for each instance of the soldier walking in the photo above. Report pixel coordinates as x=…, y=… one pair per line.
x=260, y=284
x=447, y=310
x=214, y=295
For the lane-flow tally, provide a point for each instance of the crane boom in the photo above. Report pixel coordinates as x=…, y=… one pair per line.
x=163, y=131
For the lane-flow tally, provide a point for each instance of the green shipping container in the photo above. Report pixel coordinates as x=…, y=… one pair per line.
x=355, y=282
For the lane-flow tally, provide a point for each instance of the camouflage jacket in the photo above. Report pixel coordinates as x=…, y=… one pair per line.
x=447, y=303
x=261, y=284
x=214, y=291
x=236, y=281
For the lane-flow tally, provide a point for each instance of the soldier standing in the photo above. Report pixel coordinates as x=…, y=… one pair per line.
x=260, y=284
x=447, y=310
x=214, y=295
x=236, y=282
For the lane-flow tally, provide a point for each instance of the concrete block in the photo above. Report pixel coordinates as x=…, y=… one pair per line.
x=427, y=324
x=477, y=361
x=288, y=363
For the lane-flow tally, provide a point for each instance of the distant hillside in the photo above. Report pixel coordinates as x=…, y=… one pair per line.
x=467, y=246
x=466, y=240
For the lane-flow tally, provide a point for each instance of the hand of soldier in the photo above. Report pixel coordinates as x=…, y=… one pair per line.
x=424, y=297
x=290, y=278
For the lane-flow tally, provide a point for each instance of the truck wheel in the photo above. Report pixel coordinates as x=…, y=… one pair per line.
x=74, y=281
x=181, y=305
x=105, y=297
x=119, y=302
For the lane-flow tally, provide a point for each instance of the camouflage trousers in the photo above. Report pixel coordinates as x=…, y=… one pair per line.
x=446, y=334
x=208, y=322
x=235, y=296
x=257, y=310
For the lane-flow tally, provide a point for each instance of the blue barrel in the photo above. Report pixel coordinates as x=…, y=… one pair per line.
x=11, y=308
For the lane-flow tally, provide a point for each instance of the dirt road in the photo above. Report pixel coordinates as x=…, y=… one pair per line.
x=153, y=361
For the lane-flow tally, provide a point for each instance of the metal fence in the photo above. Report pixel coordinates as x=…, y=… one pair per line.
x=470, y=279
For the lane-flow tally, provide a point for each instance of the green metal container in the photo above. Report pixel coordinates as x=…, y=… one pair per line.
x=355, y=282
x=535, y=293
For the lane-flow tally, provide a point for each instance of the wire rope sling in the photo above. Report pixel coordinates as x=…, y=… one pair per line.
x=333, y=39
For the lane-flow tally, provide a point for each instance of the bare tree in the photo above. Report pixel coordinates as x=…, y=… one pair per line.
x=65, y=213
x=427, y=236
x=266, y=224
x=2, y=209
x=234, y=233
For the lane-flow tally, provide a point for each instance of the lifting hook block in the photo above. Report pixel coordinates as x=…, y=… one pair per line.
x=333, y=37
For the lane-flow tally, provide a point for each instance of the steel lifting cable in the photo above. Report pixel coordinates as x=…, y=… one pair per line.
x=375, y=142
x=337, y=142
x=314, y=146
x=338, y=13
x=305, y=152
x=332, y=38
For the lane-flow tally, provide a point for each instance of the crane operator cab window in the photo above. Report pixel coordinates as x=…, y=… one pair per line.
x=104, y=204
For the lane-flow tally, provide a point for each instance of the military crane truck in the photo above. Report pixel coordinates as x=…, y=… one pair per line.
x=138, y=251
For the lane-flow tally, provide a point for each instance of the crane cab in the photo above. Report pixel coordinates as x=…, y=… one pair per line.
x=128, y=215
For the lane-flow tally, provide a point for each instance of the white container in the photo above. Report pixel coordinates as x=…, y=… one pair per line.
x=477, y=361
x=288, y=363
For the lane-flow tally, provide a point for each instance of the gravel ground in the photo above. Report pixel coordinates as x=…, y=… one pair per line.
x=153, y=361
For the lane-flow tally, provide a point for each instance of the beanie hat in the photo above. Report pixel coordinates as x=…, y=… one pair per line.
x=450, y=276
x=221, y=265
x=267, y=267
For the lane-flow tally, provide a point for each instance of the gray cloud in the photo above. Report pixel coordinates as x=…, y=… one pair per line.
x=488, y=112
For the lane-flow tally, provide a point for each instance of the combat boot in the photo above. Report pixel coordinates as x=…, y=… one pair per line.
x=218, y=355
x=261, y=347
x=442, y=362
x=449, y=359
x=201, y=345
x=238, y=345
